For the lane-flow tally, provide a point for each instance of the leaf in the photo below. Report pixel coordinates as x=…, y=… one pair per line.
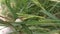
x=44, y=10
x=11, y=9
x=26, y=29
x=40, y=21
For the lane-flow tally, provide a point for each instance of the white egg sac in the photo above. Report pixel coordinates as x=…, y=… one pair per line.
x=18, y=20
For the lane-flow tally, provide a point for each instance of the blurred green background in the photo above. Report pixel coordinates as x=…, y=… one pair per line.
x=37, y=16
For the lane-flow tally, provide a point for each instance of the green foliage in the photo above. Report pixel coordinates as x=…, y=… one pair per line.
x=38, y=16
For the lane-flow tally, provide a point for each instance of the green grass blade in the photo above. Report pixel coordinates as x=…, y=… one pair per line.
x=44, y=10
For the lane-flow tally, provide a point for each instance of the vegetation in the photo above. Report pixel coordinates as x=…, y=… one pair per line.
x=38, y=16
